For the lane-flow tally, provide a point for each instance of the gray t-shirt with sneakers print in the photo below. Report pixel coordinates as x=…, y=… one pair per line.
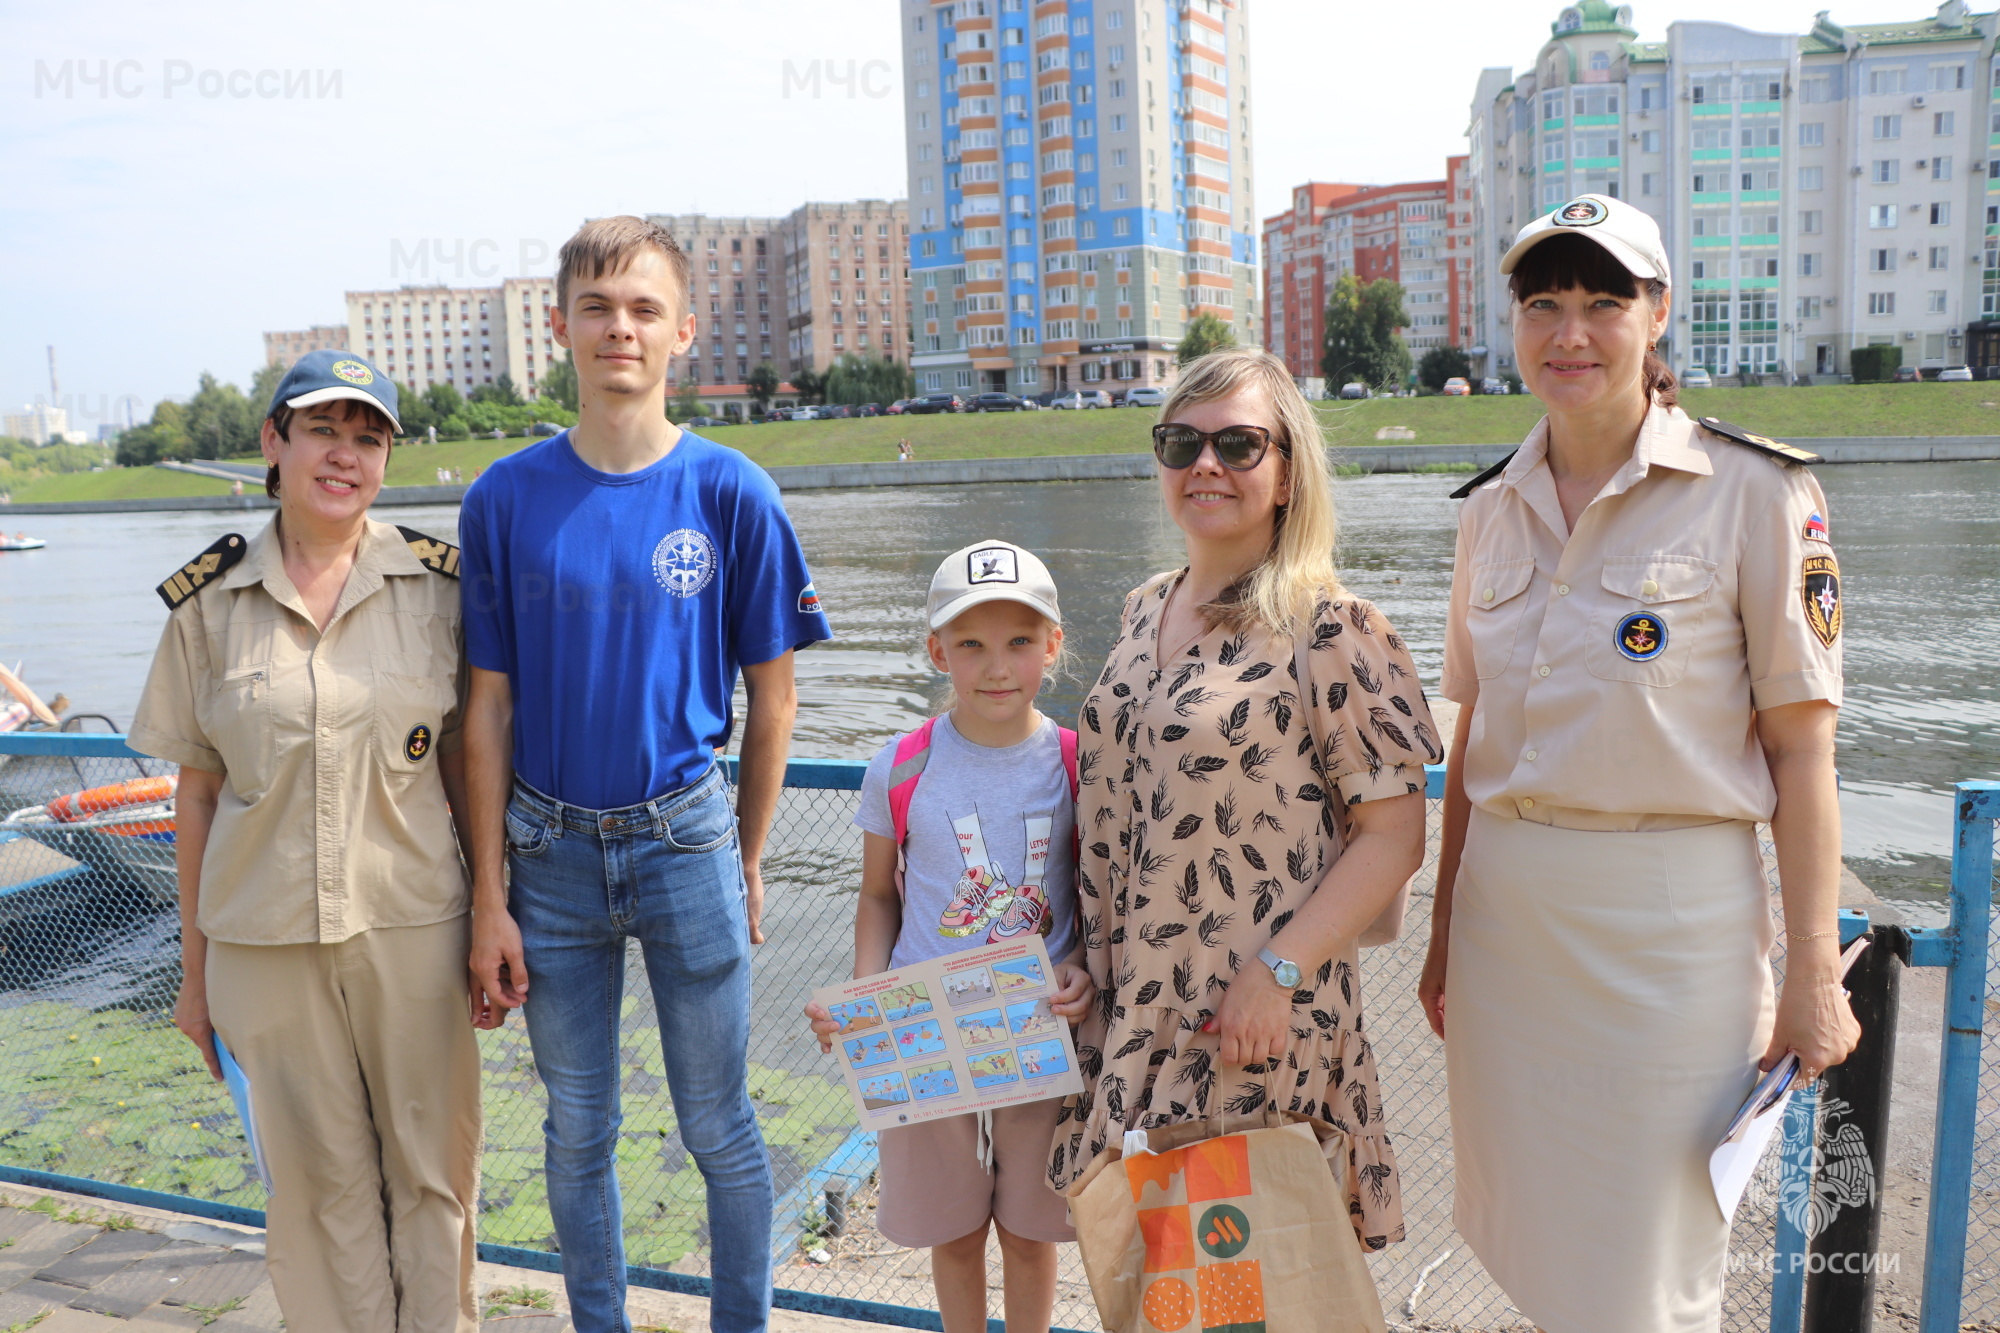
x=1004, y=790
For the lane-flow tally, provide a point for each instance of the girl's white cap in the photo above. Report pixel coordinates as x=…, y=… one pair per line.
x=990, y=572
x=1629, y=234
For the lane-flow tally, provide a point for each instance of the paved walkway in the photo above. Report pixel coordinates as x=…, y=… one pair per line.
x=74, y=1265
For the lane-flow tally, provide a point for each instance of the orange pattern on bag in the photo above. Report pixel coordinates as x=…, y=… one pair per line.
x=1232, y=1295
x=1218, y=1169
x=1169, y=1239
x=1169, y=1304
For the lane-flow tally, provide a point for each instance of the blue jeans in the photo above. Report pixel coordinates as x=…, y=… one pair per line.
x=669, y=874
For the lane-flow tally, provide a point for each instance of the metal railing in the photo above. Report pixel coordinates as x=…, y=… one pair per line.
x=100, y=1095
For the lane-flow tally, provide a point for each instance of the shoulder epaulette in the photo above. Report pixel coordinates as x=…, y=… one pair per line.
x=1484, y=477
x=1763, y=444
x=439, y=557
x=192, y=577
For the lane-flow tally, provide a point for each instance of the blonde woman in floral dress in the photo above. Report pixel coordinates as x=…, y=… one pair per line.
x=1229, y=863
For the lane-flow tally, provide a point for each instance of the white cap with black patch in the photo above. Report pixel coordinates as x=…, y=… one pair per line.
x=1628, y=234
x=992, y=571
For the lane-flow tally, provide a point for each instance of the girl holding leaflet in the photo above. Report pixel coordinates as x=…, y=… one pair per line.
x=981, y=850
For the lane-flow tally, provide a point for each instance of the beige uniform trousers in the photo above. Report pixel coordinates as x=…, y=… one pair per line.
x=364, y=1079
x=1607, y=998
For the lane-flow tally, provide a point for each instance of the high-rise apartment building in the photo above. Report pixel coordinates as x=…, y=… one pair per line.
x=846, y=279
x=466, y=337
x=1817, y=191
x=282, y=349
x=737, y=298
x=1080, y=187
x=1295, y=279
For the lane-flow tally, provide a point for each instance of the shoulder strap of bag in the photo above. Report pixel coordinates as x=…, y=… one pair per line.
x=1067, y=740
x=913, y=752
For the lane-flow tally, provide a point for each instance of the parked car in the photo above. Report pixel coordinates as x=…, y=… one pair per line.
x=1955, y=374
x=895, y=409
x=1905, y=375
x=1145, y=397
x=551, y=428
x=934, y=402
x=699, y=422
x=1456, y=387
x=995, y=402
x=1355, y=390
x=868, y=410
x=1077, y=400
x=1492, y=385
x=1697, y=377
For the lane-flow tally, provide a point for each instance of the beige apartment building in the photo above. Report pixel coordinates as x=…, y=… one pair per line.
x=282, y=349
x=846, y=282
x=421, y=335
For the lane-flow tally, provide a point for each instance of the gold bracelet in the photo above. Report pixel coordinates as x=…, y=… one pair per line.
x=1816, y=935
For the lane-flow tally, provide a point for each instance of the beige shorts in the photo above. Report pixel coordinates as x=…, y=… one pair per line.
x=934, y=1190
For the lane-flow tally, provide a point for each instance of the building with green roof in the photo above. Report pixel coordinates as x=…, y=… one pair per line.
x=1818, y=191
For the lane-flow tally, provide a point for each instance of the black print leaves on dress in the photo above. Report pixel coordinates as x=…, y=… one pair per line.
x=1385, y=726
x=1199, y=766
x=1183, y=676
x=1233, y=727
x=1159, y=934
x=1172, y=732
x=1363, y=677
x=1253, y=760
x=1402, y=705
x=1255, y=671
x=1218, y=866
x=1212, y=926
x=1193, y=699
x=1253, y=856
x=1232, y=650
x=1146, y=994
x=1187, y=828
x=1140, y=1039
x=1189, y=891
x=1163, y=803
x=1184, y=981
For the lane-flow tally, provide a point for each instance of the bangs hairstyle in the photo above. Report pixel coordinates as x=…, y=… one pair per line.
x=1573, y=263
x=607, y=245
x=1299, y=567
x=350, y=408
x=945, y=697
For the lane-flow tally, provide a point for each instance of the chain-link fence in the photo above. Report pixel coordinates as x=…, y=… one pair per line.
x=1982, y=1233
x=96, y=1083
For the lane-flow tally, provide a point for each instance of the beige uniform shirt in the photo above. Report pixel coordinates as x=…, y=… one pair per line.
x=332, y=817
x=1618, y=669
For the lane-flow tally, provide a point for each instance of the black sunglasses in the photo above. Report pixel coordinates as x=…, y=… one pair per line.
x=1240, y=448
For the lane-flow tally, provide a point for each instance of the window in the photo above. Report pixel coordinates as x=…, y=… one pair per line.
x=1816, y=89
x=1759, y=266
x=1649, y=183
x=1600, y=60
x=1649, y=97
x=1940, y=215
x=1943, y=124
x=1812, y=134
x=1809, y=222
x=1808, y=307
x=1881, y=216
x=1649, y=141
x=1881, y=81
x=1884, y=171
x=1934, y=304
x=1888, y=127
x=1941, y=168
x=1940, y=257
x=1946, y=78
x=1701, y=268
x=1810, y=178
x=1881, y=303
x=1882, y=260
x=1810, y=266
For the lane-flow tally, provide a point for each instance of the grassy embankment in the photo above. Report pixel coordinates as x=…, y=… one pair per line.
x=1828, y=411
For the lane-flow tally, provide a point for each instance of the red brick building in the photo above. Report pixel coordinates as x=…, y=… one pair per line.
x=1295, y=281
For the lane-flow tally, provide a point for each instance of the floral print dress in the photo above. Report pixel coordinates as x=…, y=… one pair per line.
x=1205, y=823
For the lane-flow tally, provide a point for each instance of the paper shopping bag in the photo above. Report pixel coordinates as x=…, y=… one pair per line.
x=1243, y=1232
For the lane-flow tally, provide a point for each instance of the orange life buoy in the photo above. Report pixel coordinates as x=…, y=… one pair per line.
x=96, y=800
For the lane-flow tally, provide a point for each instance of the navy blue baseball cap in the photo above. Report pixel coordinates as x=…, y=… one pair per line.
x=322, y=376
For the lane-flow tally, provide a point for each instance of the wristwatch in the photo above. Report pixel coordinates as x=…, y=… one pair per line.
x=1283, y=970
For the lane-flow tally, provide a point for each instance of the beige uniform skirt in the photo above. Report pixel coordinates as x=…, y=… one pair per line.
x=1607, y=998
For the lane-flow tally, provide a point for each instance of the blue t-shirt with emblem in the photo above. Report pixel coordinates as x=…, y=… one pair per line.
x=621, y=606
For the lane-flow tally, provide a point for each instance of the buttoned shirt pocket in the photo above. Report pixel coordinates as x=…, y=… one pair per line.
x=409, y=704
x=239, y=723
x=1495, y=610
x=1651, y=610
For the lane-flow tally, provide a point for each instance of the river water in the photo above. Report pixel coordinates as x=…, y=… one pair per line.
x=1919, y=548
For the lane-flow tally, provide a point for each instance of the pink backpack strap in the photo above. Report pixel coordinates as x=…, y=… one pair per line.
x=913, y=751
x=1067, y=739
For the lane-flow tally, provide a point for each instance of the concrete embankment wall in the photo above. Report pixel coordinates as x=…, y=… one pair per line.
x=1076, y=467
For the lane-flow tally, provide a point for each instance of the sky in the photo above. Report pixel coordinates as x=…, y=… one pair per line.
x=156, y=220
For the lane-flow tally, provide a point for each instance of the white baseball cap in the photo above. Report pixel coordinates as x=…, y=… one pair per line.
x=990, y=572
x=1629, y=234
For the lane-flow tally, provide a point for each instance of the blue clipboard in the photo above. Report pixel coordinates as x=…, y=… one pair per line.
x=238, y=1084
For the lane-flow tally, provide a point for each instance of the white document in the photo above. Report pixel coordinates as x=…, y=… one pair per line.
x=1751, y=1129
x=970, y=1031
x=238, y=1084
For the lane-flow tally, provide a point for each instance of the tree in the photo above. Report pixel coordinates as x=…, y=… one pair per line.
x=1204, y=333
x=443, y=400
x=685, y=404
x=560, y=382
x=413, y=409
x=1361, y=343
x=220, y=422
x=854, y=378
x=1442, y=363
x=501, y=392
x=763, y=382
x=165, y=436
x=264, y=387
x=810, y=385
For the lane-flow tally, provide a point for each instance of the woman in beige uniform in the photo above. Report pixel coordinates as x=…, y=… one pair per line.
x=308, y=683
x=1643, y=636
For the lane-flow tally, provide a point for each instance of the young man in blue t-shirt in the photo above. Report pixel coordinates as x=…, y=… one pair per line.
x=616, y=578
